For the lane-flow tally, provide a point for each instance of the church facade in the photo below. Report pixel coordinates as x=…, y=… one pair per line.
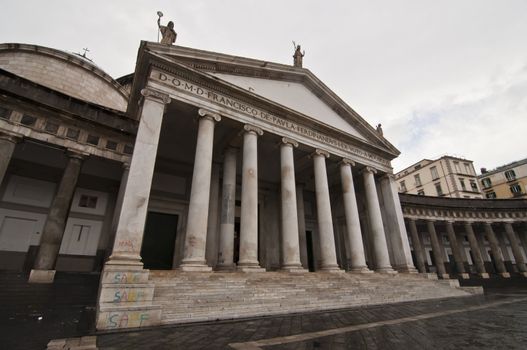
x=206, y=165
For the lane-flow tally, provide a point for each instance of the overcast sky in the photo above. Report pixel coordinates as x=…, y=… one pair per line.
x=443, y=77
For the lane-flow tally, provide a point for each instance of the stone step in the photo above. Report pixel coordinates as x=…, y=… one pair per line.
x=192, y=297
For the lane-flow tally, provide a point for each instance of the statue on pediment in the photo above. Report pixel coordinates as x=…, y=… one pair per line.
x=379, y=129
x=168, y=34
x=298, y=55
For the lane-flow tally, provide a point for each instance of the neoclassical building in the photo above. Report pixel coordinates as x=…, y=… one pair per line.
x=203, y=186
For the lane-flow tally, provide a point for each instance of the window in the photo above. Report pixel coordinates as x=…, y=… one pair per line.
x=463, y=186
x=486, y=182
x=51, y=127
x=5, y=113
x=456, y=167
x=403, y=186
x=467, y=169
x=128, y=149
x=433, y=171
x=93, y=140
x=88, y=201
x=490, y=195
x=417, y=180
x=72, y=133
x=439, y=190
x=421, y=192
x=474, y=186
x=111, y=145
x=510, y=175
x=516, y=189
x=28, y=120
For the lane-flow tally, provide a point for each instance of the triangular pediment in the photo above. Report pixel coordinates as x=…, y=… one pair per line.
x=296, y=89
x=292, y=95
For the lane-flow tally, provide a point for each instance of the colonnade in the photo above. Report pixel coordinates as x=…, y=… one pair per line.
x=473, y=232
x=194, y=258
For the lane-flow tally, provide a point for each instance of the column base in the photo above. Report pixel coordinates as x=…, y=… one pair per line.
x=444, y=276
x=429, y=276
x=294, y=269
x=386, y=270
x=358, y=270
x=126, y=298
x=41, y=276
x=484, y=275
x=194, y=268
x=504, y=274
x=250, y=268
x=464, y=276
x=331, y=269
x=523, y=274
x=406, y=269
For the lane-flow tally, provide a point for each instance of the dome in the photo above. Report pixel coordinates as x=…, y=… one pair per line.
x=65, y=72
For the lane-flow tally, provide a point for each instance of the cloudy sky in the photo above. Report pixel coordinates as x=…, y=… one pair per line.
x=443, y=77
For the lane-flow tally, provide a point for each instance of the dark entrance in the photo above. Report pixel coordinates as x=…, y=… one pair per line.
x=159, y=240
x=310, y=258
x=236, y=252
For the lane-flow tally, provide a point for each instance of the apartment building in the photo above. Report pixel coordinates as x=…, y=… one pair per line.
x=507, y=181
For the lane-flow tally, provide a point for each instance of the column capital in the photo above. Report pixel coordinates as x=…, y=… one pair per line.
x=368, y=169
x=346, y=161
x=433, y=221
x=248, y=128
x=72, y=153
x=126, y=166
x=205, y=113
x=388, y=176
x=286, y=141
x=155, y=95
x=319, y=152
x=450, y=222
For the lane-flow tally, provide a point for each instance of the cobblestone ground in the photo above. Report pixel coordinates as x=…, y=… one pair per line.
x=497, y=320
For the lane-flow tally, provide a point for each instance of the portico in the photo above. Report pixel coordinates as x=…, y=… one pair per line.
x=190, y=122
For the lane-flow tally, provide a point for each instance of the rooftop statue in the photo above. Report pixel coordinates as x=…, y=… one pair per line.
x=379, y=129
x=168, y=35
x=298, y=55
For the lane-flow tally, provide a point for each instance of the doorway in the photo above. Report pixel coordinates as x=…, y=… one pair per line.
x=309, y=246
x=159, y=240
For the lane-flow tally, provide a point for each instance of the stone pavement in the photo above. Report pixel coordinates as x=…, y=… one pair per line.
x=497, y=320
x=494, y=321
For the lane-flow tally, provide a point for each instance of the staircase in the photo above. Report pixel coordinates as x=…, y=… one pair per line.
x=191, y=297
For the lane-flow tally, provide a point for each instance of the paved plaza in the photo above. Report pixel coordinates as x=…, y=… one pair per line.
x=496, y=320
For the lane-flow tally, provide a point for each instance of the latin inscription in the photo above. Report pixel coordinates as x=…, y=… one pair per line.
x=258, y=113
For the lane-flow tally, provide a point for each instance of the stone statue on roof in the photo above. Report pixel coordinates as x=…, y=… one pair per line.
x=298, y=55
x=168, y=35
x=379, y=129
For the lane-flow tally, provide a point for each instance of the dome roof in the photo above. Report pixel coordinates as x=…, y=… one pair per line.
x=68, y=73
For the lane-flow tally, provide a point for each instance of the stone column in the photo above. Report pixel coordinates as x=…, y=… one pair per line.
x=117, y=208
x=248, y=261
x=476, y=253
x=496, y=251
x=228, y=209
x=328, y=255
x=301, y=225
x=456, y=250
x=7, y=147
x=290, y=239
x=394, y=220
x=351, y=212
x=436, y=250
x=380, y=247
x=123, y=274
x=515, y=246
x=418, y=248
x=51, y=239
x=198, y=208
x=132, y=217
